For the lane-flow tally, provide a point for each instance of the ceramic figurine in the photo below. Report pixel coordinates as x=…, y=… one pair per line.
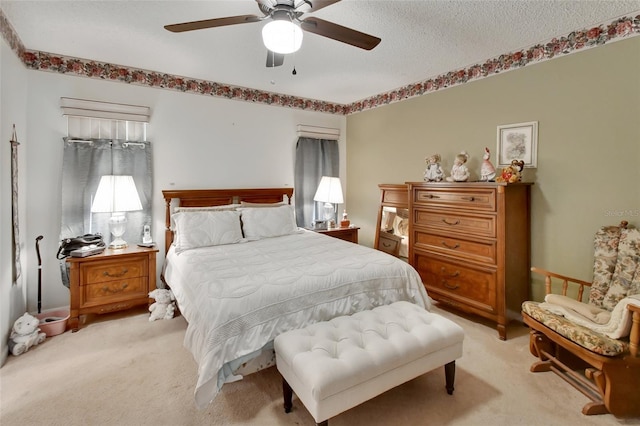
x=345, y=222
x=487, y=171
x=459, y=171
x=433, y=172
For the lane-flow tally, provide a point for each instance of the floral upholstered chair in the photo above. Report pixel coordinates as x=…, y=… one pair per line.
x=594, y=345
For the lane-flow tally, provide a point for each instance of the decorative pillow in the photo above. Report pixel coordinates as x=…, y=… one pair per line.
x=266, y=222
x=206, y=228
x=248, y=204
x=626, y=272
x=605, y=246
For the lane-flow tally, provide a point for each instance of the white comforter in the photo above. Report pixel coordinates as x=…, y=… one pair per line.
x=239, y=297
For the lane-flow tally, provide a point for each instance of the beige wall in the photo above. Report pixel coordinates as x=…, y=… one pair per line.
x=588, y=108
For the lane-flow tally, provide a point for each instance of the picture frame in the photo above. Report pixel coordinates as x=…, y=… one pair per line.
x=518, y=141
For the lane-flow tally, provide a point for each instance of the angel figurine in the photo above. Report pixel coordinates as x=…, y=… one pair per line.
x=487, y=171
x=459, y=171
x=433, y=172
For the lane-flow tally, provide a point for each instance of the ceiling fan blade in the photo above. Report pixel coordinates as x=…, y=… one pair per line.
x=340, y=33
x=319, y=4
x=274, y=59
x=210, y=23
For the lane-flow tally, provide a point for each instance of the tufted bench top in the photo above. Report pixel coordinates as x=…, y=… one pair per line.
x=333, y=356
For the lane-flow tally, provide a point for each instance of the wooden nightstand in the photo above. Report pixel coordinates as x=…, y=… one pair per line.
x=111, y=281
x=347, y=234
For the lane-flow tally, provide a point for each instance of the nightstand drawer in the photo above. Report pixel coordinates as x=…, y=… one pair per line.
x=114, y=270
x=113, y=291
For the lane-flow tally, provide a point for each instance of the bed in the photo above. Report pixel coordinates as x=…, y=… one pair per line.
x=242, y=273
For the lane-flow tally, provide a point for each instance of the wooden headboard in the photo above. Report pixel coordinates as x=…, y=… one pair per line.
x=218, y=197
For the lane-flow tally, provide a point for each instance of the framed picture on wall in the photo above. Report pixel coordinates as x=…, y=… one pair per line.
x=518, y=142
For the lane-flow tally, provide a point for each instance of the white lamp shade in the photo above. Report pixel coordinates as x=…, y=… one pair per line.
x=281, y=36
x=116, y=194
x=329, y=191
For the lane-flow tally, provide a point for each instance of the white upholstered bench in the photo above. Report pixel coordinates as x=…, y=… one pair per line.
x=334, y=365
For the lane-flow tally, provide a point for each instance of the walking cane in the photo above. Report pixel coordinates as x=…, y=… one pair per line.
x=39, y=272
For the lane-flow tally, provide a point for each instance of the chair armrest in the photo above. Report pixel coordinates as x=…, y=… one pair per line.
x=565, y=282
x=634, y=336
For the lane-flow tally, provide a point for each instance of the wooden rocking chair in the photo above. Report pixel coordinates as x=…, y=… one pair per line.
x=605, y=369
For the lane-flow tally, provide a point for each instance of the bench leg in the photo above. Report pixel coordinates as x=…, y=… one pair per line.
x=450, y=376
x=287, y=392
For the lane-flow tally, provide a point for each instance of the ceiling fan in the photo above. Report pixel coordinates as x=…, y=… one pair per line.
x=283, y=32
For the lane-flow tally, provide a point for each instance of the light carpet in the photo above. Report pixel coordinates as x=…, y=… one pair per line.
x=121, y=369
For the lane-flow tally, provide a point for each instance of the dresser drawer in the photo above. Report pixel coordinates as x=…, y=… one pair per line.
x=389, y=243
x=481, y=251
x=114, y=291
x=457, y=223
x=465, y=198
x=114, y=270
x=470, y=286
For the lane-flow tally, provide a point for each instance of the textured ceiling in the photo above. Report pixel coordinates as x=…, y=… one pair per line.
x=420, y=39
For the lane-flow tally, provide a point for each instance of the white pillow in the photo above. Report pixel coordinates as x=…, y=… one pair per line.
x=180, y=209
x=248, y=204
x=265, y=222
x=206, y=208
x=207, y=228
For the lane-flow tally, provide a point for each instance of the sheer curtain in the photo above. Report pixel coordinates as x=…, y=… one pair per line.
x=314, y=158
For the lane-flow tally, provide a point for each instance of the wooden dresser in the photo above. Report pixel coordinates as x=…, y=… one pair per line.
x=470, y=243
x=111, y=281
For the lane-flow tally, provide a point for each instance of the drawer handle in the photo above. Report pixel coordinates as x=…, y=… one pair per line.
x=451, y=223
x=468, y=198
x=431, y=196
x=107, y=289
x=121, y=274
x=444, y=243
x=454, y=275
x=386, y=245
x=449, y=286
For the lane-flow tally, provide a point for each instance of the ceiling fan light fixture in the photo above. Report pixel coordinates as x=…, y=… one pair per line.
x=282, y=36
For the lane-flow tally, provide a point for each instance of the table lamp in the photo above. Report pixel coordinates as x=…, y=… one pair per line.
x=116, y=195
x=329, y=192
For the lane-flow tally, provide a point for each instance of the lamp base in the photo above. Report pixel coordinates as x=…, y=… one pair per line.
x=118, y=243
x=117, y=226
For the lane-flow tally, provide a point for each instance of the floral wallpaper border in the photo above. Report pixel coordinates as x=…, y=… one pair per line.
x=575, y=41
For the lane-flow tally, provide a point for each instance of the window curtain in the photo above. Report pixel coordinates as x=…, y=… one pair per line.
x=84, y=163
x=314, y=158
